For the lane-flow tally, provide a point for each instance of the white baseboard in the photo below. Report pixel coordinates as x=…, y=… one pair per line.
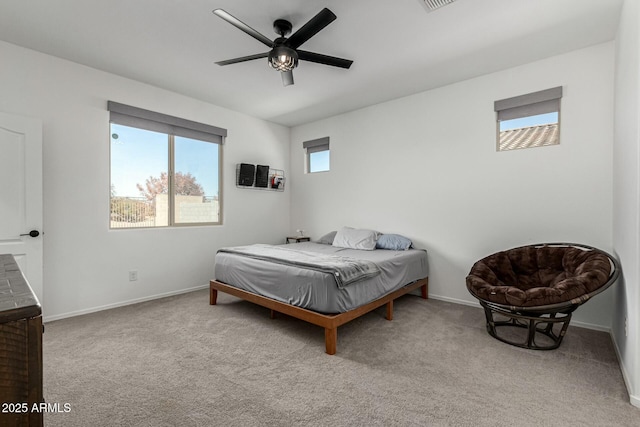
x=591, y=326
x=633, y=399
x=455, y=300
x=121, y=304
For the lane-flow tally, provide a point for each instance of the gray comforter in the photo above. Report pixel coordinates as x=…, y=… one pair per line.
x=345, y=270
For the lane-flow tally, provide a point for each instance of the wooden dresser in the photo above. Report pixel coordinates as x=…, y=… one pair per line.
x=20, y=348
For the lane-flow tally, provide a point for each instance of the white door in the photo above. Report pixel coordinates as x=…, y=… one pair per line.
x=21, y=195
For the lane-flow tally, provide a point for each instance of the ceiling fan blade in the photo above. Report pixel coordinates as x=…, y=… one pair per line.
x=311, y=28
x=324, y=59
x=243, y=59
x=242, y=26
x=287, y=78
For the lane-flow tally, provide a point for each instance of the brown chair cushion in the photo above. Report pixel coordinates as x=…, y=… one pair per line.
x=534, y=276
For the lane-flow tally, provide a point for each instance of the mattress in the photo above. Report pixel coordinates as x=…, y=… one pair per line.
x=316, y=290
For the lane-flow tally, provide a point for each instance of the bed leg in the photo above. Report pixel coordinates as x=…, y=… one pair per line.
x=213, y=296
x=425, y=291
x=331, y=340
x=389, y=315
x=273, y=314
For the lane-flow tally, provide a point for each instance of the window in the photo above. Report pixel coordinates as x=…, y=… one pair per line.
x=165, y=171
x=531, y=120
x=317, y=152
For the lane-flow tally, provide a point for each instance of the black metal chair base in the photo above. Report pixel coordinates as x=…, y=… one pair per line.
x=535, y=323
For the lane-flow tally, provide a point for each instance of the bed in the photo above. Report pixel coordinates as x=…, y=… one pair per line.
x=266, y=275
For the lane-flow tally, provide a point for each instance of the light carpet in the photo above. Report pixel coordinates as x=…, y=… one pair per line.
x=178, y=361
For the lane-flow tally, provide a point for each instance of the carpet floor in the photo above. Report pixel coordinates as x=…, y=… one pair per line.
x=178, y=361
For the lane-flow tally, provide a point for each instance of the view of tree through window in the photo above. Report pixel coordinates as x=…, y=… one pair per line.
x=142, y=183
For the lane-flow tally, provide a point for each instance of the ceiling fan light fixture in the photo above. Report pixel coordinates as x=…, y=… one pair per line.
x=282, y=58
x=284, y=55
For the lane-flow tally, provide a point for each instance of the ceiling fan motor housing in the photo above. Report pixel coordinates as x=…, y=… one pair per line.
x=282, y=27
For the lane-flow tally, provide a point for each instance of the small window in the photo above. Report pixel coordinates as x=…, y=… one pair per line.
x=165, y=171
x=531, y=120
x=317, y=155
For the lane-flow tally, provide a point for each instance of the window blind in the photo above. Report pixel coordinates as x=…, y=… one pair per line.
x=316, y=145
x=531, y=104
x=127, y=115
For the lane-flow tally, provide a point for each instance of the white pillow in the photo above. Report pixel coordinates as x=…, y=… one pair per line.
x=354, y=238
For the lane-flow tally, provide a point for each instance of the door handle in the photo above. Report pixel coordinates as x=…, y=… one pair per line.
x=32, y=233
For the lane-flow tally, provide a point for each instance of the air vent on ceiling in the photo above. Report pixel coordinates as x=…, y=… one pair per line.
x=435, y=4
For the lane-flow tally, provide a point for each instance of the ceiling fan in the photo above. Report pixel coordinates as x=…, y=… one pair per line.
x=284, y=53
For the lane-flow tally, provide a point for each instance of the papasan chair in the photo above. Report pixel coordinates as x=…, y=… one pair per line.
x=537, y=287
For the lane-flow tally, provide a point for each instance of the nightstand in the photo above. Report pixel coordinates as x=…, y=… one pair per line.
x=298, y=239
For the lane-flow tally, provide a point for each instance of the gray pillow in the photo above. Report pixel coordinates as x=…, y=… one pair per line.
x=394, y=242
x=354, y=238
x=327, y=239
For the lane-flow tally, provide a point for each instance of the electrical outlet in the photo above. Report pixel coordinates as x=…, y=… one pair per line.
x=626, y=327
x=133, y=275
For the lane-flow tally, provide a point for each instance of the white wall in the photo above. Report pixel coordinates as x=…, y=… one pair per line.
x=85, y=264
x=426, y=166
x=626, y=201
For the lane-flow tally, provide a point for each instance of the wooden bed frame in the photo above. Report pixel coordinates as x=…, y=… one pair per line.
x=329, y=322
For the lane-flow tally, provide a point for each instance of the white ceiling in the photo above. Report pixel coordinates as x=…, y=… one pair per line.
x=397, y=47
